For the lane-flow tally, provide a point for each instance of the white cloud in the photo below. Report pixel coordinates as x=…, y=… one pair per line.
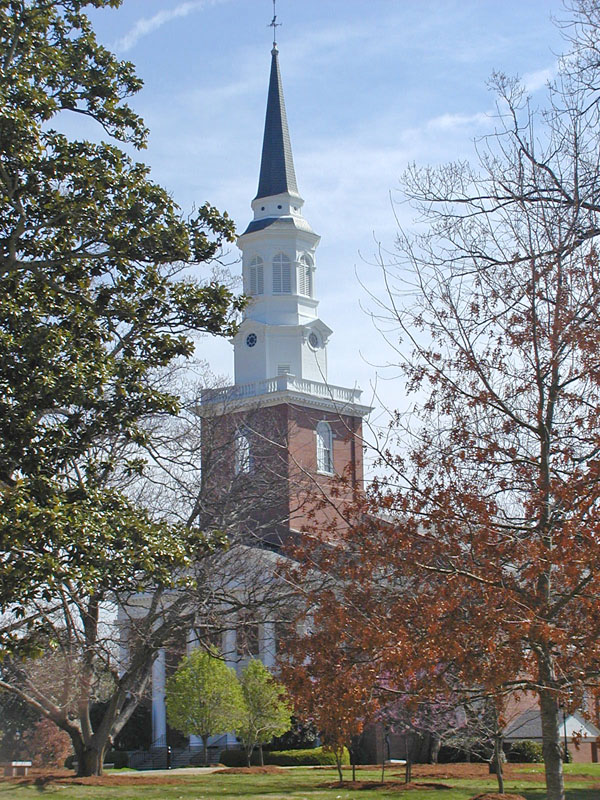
x=147, y=25
x=532, y=81
x=447, y=122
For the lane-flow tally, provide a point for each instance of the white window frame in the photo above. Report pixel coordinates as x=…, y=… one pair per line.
x=304, y=275
x=324, y=436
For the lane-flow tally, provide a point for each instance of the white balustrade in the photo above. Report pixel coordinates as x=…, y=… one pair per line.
x=282, y=383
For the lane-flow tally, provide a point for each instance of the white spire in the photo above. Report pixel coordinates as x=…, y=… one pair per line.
x=281, y=332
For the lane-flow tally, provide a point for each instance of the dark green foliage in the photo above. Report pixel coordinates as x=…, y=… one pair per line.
x=313, y=757
x=301, y=736
x=525, y=752
x=103, y=284
x=93, y=296
x=137, y=733
x=237, y=758
x=118, y=758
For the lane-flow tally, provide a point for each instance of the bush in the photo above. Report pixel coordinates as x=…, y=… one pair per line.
x=46, y=744
x=237, y=758
x=315, y=757
x=118, y=758
x=525, y=752
x=301, y=736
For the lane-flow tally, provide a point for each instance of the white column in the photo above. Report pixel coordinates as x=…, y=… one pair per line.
x=268, y=645
x=159, y=712
x=195, y=741
x=230, y=648
x=231, y=659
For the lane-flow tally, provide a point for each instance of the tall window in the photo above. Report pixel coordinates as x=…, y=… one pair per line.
x=247, y=634
x=282, y=274
x=305, y=281
x=324, y=447
x=257, y=276
x=243, y=456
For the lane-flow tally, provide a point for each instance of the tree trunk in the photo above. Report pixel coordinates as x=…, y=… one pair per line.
x=262, y=757
x=89, y=761
x=338, y=763
x=551, y=745
x=436, y=744
x=205, y=750
x=498, y=756
x=352, y=761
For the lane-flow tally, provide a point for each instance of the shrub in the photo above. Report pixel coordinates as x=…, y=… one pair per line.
x=301, y=736
x=525, y=752
x=237, y=758
x=119, y=758
x=314, y=757
x=47, y=744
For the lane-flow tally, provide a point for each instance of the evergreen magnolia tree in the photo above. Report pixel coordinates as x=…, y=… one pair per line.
x=204, y=697
x=99, y=289
x=267, y=712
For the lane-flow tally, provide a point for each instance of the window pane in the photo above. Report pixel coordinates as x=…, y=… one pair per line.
x=242, y=454
x=324, y=448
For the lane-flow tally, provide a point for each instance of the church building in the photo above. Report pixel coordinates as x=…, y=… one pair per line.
x=287, y=433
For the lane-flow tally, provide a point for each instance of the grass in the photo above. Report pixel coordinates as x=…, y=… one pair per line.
x=583, y=783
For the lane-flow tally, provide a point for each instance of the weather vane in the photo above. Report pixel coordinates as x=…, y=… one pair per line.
x=274, y=24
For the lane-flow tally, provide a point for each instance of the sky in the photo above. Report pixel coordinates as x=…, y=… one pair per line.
x=370, y=86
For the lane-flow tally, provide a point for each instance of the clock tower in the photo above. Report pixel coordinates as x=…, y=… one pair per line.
x=282, y=416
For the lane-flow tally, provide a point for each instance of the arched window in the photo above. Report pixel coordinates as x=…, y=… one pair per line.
x=257, y=276
x=243, y=456
x=282, y=274
x=324, y=448
x=305, y=277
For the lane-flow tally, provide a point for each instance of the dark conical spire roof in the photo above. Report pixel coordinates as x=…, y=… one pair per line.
x=277, y=165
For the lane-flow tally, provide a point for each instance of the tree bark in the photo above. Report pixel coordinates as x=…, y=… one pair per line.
x=338, y=762
x=436, y=744
x=205, y=750
x=498, y=756
x=262, y=757
x=551, y=745
x=89, y=760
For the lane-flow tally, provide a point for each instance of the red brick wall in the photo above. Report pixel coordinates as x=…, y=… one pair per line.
x=284, y=476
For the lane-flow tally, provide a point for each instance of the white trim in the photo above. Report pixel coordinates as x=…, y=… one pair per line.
x=285, y=389
x=324, y=445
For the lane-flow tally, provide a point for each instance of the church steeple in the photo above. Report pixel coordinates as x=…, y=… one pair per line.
x=277, y=175
x=281, y=333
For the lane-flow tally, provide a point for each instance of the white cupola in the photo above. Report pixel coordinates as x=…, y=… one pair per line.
x=281, y=332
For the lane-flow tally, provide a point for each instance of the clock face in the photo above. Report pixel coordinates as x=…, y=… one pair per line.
x=251, y=339
x=313, y=340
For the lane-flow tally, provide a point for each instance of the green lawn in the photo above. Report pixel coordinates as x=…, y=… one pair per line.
x=302, y=784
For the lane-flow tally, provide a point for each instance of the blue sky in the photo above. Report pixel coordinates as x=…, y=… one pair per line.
x=370, y=85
